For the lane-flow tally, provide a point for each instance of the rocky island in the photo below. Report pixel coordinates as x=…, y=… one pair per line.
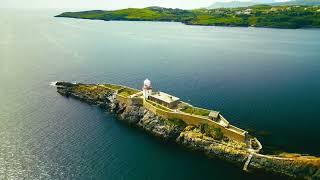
x=289, y=16
x=207, y=131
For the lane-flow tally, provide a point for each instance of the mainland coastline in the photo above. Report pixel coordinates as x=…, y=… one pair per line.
x=285, y=17
x=206, y=136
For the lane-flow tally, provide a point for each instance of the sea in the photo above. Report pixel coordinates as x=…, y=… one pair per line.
x=266, y=81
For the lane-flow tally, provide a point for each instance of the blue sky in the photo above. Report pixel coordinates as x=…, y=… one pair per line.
x=106, y=4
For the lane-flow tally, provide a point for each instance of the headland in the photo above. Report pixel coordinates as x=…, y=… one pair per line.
x=286, y=17
x=169, y=118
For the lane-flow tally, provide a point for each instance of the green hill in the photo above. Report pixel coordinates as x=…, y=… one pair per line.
x=299, y=3
x=257, y=16
x=236, y=4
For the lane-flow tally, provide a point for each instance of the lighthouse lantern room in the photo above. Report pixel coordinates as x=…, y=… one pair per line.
x=147, y=88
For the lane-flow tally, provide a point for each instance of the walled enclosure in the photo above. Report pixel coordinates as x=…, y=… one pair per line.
x=231, y=132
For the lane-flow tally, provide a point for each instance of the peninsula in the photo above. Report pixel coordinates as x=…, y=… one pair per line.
x=166, y=116
x=289, y=16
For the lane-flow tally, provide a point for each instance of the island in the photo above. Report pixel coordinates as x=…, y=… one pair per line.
x=208, y=131
x=287, y=16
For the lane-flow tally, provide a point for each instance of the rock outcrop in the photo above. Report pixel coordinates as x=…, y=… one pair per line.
x=192, y=137
x=159, y=127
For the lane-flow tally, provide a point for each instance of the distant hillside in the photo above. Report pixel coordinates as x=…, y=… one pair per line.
x=235, y=4
x=231, y=4
x=299, y=2
x=257, y=16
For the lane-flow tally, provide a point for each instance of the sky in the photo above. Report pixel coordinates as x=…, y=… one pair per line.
x=107, y=4
x=104, y=4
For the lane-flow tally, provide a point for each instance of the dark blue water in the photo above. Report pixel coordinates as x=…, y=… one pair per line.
x=265, y=80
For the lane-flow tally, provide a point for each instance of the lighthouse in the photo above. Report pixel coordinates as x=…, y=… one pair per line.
x=147, y=88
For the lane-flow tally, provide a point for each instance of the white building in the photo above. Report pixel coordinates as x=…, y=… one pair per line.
x=147, y=88
x=247, y=11
x=158, y=97
x=164, y=99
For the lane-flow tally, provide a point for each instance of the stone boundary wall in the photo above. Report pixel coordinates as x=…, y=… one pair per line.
x=125, y=100
x=102, y=85
x=125, y=87
x=224, y=120
x=232, y=133
x=122, y=99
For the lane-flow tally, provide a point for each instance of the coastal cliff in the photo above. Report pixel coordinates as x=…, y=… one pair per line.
x=197, y=138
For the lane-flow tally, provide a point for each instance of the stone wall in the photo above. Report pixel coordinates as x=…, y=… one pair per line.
x=223, y=120
x=232, y=133
x=122, y=99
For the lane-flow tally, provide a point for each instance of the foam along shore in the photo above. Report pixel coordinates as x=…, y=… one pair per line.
x=192, y=127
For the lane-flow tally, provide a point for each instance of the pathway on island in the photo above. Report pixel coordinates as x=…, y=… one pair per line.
x=245, y=167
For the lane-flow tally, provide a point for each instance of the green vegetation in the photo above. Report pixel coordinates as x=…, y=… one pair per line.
x=235, y=4
x=113, y=86
x=127, y=92
x=177, y=122
x=257, y=15
x=298, y=3
x=81, y=88
x=211, y=131
x=92, y=91
x=195, y=111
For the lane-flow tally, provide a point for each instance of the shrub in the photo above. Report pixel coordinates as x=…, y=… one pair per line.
x=177, y=122
x=113, y=87
x=127, y=92
x=218, y=134
x=211, y=131
x=195, y=111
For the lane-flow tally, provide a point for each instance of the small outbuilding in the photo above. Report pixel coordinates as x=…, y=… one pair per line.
x=164, y=99
x=214, y=115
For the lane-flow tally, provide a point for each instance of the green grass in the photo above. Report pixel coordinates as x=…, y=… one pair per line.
x=136, y=14
x=212, y=20
x=176, y=122
x=94, y=91
x=127, y=92
x=113, y=87
x=195, y=111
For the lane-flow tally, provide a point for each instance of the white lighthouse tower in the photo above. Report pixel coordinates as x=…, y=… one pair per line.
x=147, y=88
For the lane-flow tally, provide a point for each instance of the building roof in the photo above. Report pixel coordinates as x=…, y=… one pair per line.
x=147, y=82
x=164, y=97
x=214, y=114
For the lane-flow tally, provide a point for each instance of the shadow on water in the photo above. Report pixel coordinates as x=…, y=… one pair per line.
x=267, y=148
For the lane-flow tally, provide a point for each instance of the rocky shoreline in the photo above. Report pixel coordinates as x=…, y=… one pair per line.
x=193, y=137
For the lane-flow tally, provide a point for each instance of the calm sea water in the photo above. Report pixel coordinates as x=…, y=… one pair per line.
x=266, y=80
